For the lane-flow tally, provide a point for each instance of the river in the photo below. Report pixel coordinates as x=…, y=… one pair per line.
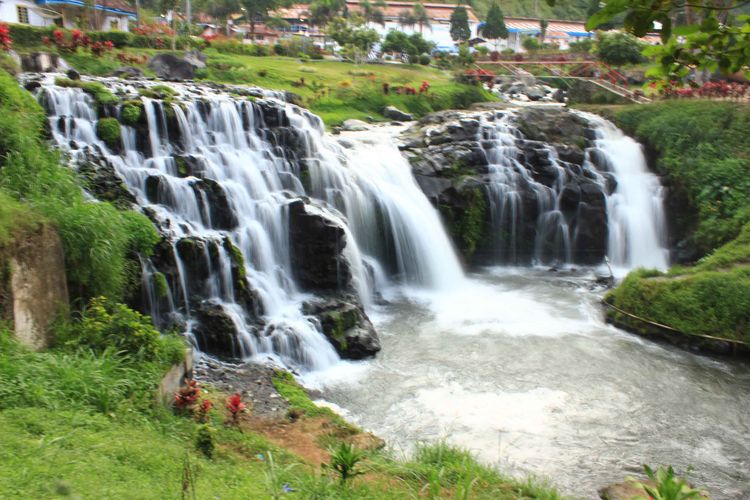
x=518, y=366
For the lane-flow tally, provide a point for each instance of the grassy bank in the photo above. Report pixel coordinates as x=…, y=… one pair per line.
x=701, y=149
x=334, y=90
x=83, y=424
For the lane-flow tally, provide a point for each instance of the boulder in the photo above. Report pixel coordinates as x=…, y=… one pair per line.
x=128, y=72
x=317, y=241
x=73, y=74
x=346, y=326
x=105, y=184
x=219, y=209
x=196, y=58
x=42, y=62
x=535, y=94
x=352, y=125
x=393, y=113
x=215, y=332
x=171, y=67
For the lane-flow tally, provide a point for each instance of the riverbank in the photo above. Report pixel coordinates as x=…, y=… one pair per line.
x=700, y=150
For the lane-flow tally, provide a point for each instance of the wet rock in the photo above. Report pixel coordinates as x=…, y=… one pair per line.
x=347, y=327
x=73, y=74
x=393, y=113
x=171, y=67
x=127, y=72
x=215, y=331
x=219, y=209
x=352, y=125
x=105, y=184
x=317, y=243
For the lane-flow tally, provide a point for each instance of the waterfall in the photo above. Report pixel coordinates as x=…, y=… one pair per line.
x=217, y=174
x=637, y=225
x=546, y=210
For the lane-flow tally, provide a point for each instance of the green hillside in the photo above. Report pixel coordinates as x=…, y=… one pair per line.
x=569, y=9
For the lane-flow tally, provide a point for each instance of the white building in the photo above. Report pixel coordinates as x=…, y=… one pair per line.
x=438, y=30
x=108, y=14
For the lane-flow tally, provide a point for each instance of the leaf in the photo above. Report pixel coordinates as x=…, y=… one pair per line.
x=686, y=30
x=606, y=14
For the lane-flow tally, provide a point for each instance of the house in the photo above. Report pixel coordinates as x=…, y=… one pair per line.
x=560, y=33
x=439, y=15
x=107, y=14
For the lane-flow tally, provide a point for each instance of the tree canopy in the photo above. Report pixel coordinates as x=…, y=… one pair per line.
x=494, y=26
x=412, y=45
x=460, y=31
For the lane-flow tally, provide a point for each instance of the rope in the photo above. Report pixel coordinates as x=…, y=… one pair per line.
x=669, y=328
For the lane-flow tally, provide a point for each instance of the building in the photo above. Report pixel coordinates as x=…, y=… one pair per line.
x=439, y=14
x=560, y=33
x=107, y=15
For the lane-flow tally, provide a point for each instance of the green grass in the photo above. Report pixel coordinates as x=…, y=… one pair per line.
x=702, y=148
x=74, y=423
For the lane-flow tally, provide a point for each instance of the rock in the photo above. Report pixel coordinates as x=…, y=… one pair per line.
x=215, y=331
x=196, y=58
x=559, y=95
x=347, y=327
x=42, y=62
x=535, y=94
x=105, y=184
x=393, y=113
x=73, y=74
x=317, y=241
x=128, y=72
x=171, y=67
x=219, y=210
x=352, y=125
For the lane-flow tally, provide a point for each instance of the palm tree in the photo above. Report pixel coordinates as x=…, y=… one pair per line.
x=406, y=19
x=421, y=16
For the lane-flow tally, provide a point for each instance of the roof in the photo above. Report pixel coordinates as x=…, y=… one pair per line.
x=529, y=25
x=296, y=11
x=113, y=6
x=436, y=11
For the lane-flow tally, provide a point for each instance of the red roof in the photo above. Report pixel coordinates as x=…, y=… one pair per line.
x=436, y=11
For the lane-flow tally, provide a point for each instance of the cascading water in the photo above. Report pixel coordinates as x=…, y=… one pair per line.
x=544, y=210
x=217, y=175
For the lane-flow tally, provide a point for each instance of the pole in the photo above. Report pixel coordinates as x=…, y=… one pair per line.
x=189, y=14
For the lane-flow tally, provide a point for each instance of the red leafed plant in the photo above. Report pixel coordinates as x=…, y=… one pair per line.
x=187, y=396
x=203, y=410
x=235, y=407
x=6, y=43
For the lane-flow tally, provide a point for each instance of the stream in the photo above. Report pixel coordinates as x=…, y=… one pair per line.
x=518, y=366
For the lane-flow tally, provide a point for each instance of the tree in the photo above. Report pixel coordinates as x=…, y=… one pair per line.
x=411, y=45
x=460, y=31
x=710, y=35
x=494, y=27
x=353, y=36
x=219, y=9
x=256, y=11
x=619, y=48
x=372, y=12
x=406, y=19
x=421, y=16
x=323, y=12
x=543, y=24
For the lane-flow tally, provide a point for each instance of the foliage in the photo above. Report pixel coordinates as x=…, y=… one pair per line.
x=412, y=45
x=531, y=43
x=70, y=42
x=6, y=42
x=16, y=220
x=187, y=397
x=494, y=26
x=584, y=45
x=460, y=31
x=619, y=48
x=668, y=486
x=106, y=325
x=130, y=114
x=108, y=130
x=344, y=460
x=25, y=35
x=231, y=46
x=235, y=407
x=205, y=440
x=705, y=162
x=356, y=38
x=119, y=39
x=421, y=17
x=711, y=37
x=99, y=241
x=424, y=59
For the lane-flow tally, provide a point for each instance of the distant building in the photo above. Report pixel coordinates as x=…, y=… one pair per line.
x=108, y=14
x=560, y=33
x=439, y=14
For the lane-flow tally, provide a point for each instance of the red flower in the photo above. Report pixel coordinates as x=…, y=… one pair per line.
x=187, y=396
x=109, y=45
x=235, y=404
x=6, y=43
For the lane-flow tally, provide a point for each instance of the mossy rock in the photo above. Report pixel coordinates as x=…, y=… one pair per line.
x=108, y=130
x=131, y=114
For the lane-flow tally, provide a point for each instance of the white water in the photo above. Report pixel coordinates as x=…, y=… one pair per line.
x=392, y=231
x=637, y=226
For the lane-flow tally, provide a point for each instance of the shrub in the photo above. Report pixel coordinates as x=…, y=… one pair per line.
x=6, y=42
x=205, y=440
x=107, y=325
x=667, y=486
x=108, y=130
x=344, y=460
x=24, y=35
x=583, y=46
x=424, y=59
x=531, y=44
x=118, y=38
x=619, y=48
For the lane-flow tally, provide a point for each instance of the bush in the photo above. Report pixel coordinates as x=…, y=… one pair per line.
x=108, y=130
x=118, y=38
x=24, y=35
x=205, y=440
x=619, y=48
x=531, y=44
x=424, y=60
x=130, y=114
x=107, y=325
x=583, y=46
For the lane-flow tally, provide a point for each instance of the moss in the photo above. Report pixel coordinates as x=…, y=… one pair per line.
x=131, y=114
x=160, y=285
x=339, y=328
x=108, y=130
x=99, y=92
x=181, y=164
x=467, y=224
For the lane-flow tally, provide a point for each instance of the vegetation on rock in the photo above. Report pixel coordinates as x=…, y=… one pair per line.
x=108, y=130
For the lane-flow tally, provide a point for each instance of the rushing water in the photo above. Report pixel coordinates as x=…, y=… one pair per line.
x=518, y=366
